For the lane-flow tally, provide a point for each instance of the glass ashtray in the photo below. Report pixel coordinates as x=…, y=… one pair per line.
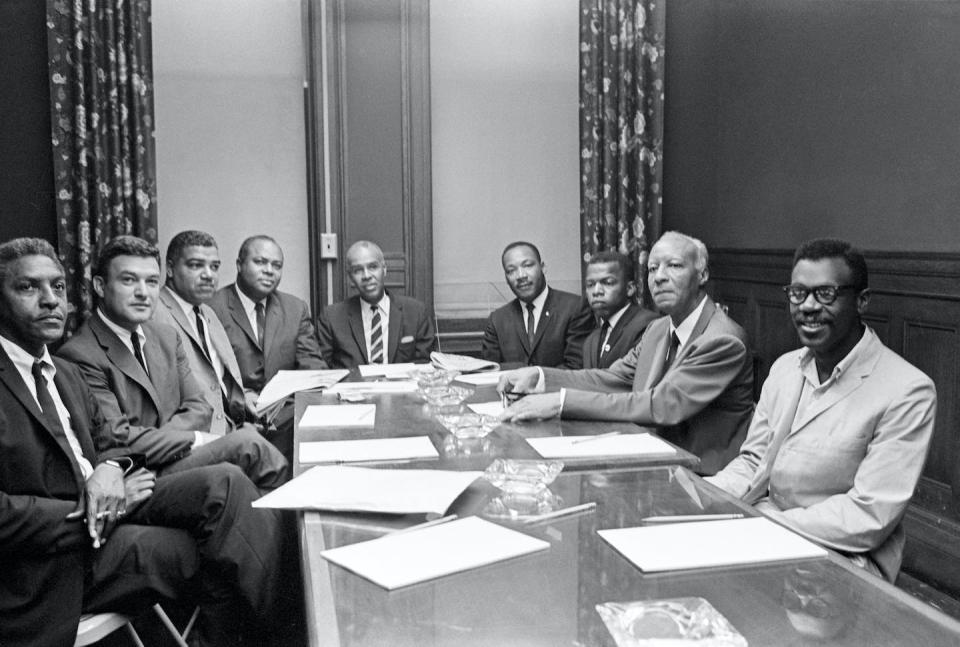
x=517, y=505
x=468, y=425
x=522, y=475
x=427, y=376
x=446, y=396
x=686, y=621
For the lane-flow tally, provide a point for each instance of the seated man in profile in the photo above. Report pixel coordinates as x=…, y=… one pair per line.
x=610, y=289
x=139, y=373
x=542, y=326
x=690, y=376
x=374, y=326
x=843, y=425
x=81, y=528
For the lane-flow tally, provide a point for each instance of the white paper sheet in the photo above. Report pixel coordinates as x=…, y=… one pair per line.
x=339, y=415
x=386, y=386
x=620, y=445
x=494, y=408
x=373, y=449
x=360, y=489
x=285, y=383
x=704, y=544
x=481, y=379
x=462, y=363
x=406, y=558
x=387, y=370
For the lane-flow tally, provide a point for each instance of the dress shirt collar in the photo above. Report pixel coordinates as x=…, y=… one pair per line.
x=248, y=303
x=184, y=305
x=616, y=316
x=857, y=354
x=383, y=305
x=685, y=329
x=537, y=303
x=24, y=360
x=123, y=333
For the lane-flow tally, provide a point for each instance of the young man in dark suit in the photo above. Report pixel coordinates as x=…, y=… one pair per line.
x=542, y=326
x=84, y=530
x=374, y=326
x=611, y=289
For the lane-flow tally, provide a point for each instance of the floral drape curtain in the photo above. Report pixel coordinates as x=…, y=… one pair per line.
x=101, y=91
x=621, y=126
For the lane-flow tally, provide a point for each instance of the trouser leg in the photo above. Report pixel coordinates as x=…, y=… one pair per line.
x=244, y=447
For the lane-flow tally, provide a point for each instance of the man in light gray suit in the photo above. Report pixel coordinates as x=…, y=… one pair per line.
x=690, y=376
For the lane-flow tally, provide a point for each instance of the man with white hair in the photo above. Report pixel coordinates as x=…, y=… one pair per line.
x=690, y=376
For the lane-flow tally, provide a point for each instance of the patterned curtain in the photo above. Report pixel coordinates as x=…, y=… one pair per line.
x=101, y=90
x=621, y=127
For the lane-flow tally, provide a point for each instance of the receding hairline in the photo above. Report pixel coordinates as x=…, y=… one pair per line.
x=248, y=243
x=365, y=244
x=516, y=245
x=701, y=255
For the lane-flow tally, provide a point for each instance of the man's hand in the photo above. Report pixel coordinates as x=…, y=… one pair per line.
x=533, y=407
x=138, y=487
x=521, y=380
x=106, y=500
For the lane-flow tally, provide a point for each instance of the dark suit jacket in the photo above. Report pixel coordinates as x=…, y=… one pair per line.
x=343, y=345
x=42, y=554
x=155, y=415
x=231, y=390
x=703, y=403
x=624, y=336
x=290, y=342
x=565, y=322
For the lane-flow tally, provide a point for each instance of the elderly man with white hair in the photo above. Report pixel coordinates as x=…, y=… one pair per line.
x=690, y=377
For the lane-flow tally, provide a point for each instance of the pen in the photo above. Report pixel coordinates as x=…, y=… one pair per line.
x=562, y=512
x=425, y=524
x=587, y=439
x=681, y=518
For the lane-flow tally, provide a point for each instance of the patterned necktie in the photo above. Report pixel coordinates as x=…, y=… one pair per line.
x=135, y=342
x=258, y=309
x=376, y=337
x=531, y=324
x=201, y=331
x=46, y=400
x=602, y=347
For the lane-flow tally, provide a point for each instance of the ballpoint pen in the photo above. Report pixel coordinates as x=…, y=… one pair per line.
x=425, y=524
x=685, y=518
x=587, y=439
x=562, y=512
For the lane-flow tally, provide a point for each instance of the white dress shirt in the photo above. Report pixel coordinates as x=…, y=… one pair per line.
x=125, y=336
x=250, y=308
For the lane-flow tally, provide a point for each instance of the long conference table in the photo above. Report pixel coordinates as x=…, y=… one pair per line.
x=550, y=597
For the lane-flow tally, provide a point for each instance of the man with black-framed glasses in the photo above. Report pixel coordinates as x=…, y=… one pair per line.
x=841, y=432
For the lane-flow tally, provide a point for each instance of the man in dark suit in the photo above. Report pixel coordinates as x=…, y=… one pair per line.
x=690, y=376
x=138, y=371
x=610, y=290
x=374, y=326
x=83, y=530
x=542, y=326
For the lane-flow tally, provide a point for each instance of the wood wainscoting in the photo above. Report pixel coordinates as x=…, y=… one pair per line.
x=915, y=309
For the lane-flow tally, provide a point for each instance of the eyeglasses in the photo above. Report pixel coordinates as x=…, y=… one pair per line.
x=824, y=294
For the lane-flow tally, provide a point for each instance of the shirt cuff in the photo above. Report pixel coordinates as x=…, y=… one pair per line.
x=541, y=382
x=563, y=397
x=197, y=440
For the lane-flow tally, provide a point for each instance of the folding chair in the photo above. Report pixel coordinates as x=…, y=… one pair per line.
x=96, y=626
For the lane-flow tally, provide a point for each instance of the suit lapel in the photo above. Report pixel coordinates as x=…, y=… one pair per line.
x=181, y=318
x=709, y=310
x=79, y=422
x=272, y=322
x=239, y=316
x=355, y=321
x=659, y=358
x=544, y=322
x=789, y=398
x=221, y=346
x=121, y=357
x=851, y=381
x=395, y=329
x=519, y=328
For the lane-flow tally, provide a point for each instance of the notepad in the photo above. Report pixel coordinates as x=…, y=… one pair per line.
x=402, y=559
x=709, y=543
x=392, y=386
x=481, y=379
x=339, y=415
x=494, y=408
x=386, y=370
x=373, y=449
x=285, y=383
x=360, y=489
x=620, y=445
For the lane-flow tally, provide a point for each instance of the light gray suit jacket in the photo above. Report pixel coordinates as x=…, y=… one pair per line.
x=703, y=403
x=847, y=465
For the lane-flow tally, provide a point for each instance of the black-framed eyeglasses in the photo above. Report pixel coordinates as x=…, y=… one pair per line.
x=824, y=294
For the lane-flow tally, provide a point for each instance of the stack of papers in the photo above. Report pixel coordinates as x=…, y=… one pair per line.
x=494, y=408
x=286, y=383
x=481, y=379
x=704, y=544
x=462, y=363
x=360, y=489
x=392, y=386
x=405, y=558
x=374, y=449
x=619, y=445
x=339, y=415
x=386, y=370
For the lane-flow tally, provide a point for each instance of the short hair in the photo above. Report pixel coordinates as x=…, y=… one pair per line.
x=624, y=262
x=124, y=246
x=821, y=248
x=189, y=238
x=369, y=245
x=245, y=245
x=521, y=243
x=15, y=249
x=702, y=260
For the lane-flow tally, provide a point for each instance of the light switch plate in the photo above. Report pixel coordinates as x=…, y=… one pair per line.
x=328, y=245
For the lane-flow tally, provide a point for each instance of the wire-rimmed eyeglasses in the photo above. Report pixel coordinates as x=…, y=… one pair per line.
x=824, y=294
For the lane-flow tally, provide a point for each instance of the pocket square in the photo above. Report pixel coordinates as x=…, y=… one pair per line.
x=406, y=340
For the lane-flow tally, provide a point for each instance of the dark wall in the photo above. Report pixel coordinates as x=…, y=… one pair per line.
x=789, y=119
x=26, y=160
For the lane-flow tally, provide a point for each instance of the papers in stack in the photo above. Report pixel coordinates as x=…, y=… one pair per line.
x=461, y=363
x=386, y=370
x=285, y=383
x=619, y=445
x=494, y=408
x=393, y=386
x=374, y=449
x=405, y=558
x=339, y=415
x=481, y=379
x=702, y=544
x=359, y=489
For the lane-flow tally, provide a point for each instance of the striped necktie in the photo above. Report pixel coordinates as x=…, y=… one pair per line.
x=376, y=337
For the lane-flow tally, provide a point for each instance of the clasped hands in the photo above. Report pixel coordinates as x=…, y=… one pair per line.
x=109, y=494
x=521, y=388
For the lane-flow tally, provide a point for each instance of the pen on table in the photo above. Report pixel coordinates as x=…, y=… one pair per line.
x=682, y=518
x=426, y=524
x=587, y=439
x=562, y=512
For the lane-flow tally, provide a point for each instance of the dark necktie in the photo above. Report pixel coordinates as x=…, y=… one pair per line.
x=376, y=337
x=531, y=324
x=672, y=353
x=602, y=346
x=46, y=401
x=260, y=322
x=201, y=330
x=135, y=341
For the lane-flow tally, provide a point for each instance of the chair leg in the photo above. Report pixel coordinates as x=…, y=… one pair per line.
x=133, y=635
x=191, y=622
x=165, y=619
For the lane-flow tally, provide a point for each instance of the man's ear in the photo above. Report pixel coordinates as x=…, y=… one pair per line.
x=704, y=276
x=862, y=300
x=169, y=270
x=631, y=288
x=98, y=286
